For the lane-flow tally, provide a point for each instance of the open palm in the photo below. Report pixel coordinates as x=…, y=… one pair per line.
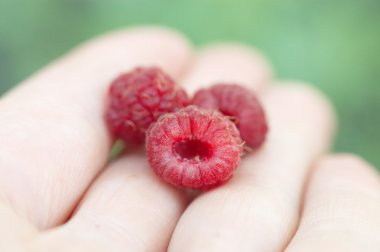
x=57, y=192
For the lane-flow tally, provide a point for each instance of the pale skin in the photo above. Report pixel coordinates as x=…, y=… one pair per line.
x=57, y=192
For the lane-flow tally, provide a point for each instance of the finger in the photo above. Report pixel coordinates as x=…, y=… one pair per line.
x=53, y=139
x=129, y=194
x=128, y=207
x=15, y=233
x=258, y=209
x=342, y=208
x=228, y=63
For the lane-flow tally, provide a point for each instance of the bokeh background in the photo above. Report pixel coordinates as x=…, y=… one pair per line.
x=333, y=44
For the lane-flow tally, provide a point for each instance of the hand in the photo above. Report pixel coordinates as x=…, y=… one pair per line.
x=57, y=192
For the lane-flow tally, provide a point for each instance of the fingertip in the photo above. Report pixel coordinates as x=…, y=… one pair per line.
x=303, y=92
x=346, y=168
x=299, y=106
x=152, y=46
x=228, y=62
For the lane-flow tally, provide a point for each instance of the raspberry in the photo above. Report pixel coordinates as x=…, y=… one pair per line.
x=241, y=105
x=194, y=148
x=139, y=98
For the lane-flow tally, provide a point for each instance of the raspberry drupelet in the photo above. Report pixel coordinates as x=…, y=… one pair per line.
x=194, y=148
x=137, y=99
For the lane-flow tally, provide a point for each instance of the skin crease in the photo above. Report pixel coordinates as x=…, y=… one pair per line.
x=288, y=196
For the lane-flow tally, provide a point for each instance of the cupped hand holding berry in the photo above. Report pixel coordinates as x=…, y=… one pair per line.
x=58, y=193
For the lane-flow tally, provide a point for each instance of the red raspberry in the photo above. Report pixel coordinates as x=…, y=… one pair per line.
x=241, y=105
x=137, y=99
x=194, y=148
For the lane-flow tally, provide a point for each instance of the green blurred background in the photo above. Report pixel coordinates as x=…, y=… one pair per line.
x=333, y=44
